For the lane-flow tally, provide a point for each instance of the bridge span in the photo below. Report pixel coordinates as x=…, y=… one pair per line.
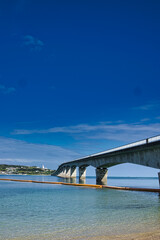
x=145, y=152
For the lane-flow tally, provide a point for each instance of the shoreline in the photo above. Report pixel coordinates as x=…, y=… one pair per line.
x=133, y=236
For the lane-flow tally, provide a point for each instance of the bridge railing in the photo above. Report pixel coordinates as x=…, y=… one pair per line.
x=134, y=144
x=154, y=139
x=138, y=143
x=122, y=147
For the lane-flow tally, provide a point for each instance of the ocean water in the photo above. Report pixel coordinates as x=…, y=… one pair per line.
x=30, y=210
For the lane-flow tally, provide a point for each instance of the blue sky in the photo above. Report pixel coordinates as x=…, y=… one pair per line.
x=76, y=78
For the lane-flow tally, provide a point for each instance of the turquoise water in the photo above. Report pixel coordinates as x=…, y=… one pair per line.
x=65, y=212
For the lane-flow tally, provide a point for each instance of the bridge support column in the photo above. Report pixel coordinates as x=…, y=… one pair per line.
x=159, y=178
x=101, y=175
x=60, y=174
x=73, y=172
x=64, y=172
x=68, y=172
x=82, y=172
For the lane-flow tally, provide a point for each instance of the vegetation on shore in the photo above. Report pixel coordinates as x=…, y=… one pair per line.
x=19, y=169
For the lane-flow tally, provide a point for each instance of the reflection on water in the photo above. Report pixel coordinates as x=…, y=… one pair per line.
x=72, y=180
x=104, y=182
x=113, y=181
x=82, y=181
x=66, y=180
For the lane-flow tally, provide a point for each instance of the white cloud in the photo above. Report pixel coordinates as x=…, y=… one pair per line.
x=20, y=152
x=33, y=43
x=6, y=90
x=120, y=132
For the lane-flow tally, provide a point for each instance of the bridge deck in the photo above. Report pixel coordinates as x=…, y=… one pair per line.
x=143, y=143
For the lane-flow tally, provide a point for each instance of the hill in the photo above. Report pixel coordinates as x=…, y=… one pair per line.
x=19, y=169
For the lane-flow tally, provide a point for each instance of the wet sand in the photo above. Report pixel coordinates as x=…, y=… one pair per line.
x=135, y=236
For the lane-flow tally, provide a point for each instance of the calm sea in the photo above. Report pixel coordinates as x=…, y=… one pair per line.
x=66, y=212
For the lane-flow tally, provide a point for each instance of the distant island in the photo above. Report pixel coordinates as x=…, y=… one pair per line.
x=24, y=170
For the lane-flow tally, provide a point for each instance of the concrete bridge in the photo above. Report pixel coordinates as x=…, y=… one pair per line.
x=145, y=152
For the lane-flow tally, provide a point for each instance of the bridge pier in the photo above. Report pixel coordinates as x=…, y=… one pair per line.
x=60, y=174
x=101, y=175
x=68, y=172
x=82, y=172
x=159, y=178
x=64, y=172
x=73, y=172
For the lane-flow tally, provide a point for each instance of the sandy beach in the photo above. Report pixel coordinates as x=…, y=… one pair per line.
x=139, y=236
x=135, y=236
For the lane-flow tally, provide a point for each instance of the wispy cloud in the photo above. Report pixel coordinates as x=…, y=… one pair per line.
x=70, y=129
x=32, y=43
x=145, y=120
x=149, y=106
x=121, y=132
x=6, y=90
x=20, y=152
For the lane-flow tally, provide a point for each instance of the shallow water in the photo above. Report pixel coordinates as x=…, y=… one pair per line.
x=27, y=209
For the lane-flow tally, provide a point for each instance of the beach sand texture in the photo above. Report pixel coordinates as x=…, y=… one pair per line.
x=135, y=236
